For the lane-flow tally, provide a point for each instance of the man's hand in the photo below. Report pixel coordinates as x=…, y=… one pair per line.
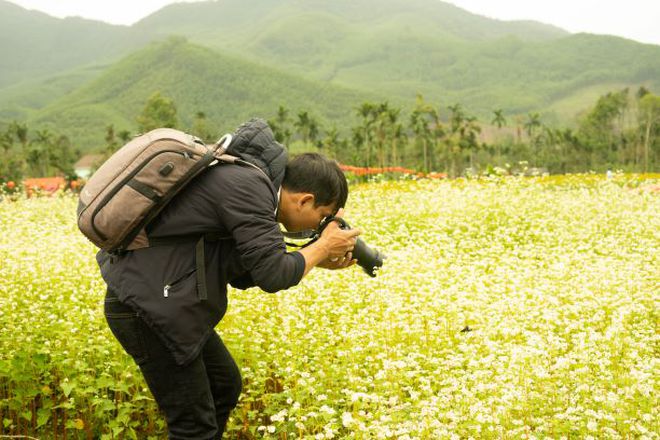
x=333, y=250
x=338, y=242
x=338, y=263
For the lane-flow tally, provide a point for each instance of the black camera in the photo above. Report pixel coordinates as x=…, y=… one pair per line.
x=367, y=258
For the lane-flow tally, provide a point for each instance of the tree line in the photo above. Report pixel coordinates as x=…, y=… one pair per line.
x=621, y=131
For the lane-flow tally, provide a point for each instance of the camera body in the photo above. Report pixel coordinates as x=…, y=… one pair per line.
x=367, y=258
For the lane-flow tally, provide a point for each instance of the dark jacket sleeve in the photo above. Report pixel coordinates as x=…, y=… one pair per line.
x=247, y=209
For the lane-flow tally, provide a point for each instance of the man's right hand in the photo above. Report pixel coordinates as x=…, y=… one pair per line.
x=338, y=242
x=334, y=245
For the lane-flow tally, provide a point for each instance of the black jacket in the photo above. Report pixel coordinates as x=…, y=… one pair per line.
x=237, y=203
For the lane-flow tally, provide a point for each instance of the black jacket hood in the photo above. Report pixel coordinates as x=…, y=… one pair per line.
x=254, y=142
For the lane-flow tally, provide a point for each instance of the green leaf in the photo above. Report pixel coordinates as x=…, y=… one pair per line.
x=43, y=415
x=67, y=387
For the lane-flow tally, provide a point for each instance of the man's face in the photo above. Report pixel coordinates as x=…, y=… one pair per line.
x=298, y=213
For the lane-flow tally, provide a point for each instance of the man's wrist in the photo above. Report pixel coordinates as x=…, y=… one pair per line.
x=323, y=247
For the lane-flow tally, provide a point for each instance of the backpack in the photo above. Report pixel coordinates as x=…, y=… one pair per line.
x=136, y=183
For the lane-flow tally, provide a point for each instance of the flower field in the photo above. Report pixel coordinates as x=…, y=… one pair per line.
x=508, y=308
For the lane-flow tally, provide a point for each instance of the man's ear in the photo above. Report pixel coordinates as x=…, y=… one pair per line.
x=305, y=199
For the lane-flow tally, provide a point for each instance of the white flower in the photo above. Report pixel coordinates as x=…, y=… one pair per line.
x=279, y=417
x=347, y=419
x=326, y=409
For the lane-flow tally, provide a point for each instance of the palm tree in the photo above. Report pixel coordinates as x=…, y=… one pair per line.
x=358, y=144
x=551, y=143
x=280, y=125
x=394, y=131
x=650, y=120
x=63, y=157
x=499, y=121
x=531, y=125
x=455, y=141
x=457, y=117
x=308, y=127
x=367, y=111
x=385, y=120
x=425, y=123
x=43, y=150
x=398, y=138
x=20, y=132
x=420, y=127
x=533, y=122
x=330, y=142
x=469, y=141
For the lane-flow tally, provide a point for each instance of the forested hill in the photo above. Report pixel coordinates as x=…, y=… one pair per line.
x=393, y=49
x=243, y=21
x=36, y=45
x=33, y=44
x=227, y=90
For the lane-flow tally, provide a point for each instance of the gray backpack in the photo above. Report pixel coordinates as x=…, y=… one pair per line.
x=136, y=182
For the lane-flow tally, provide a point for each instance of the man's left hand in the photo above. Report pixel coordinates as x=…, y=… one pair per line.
x=338, y=263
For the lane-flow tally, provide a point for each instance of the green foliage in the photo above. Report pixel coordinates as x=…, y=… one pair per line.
x=308, y=127
x=159, y=111
x=201, y=128
x=281, y=125
x=41, y=154
x=649, y=127
x=622, y=131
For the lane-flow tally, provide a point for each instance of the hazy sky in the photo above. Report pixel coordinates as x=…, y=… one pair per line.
x=635, y=19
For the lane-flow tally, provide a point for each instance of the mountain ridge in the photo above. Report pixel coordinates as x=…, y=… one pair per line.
x=392, y=52
x=226, y=89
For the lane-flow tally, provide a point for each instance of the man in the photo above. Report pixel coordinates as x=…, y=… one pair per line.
x=163, y=302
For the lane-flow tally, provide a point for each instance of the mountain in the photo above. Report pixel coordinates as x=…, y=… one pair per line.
x=228, y=90
x=36, y=45
x=390, y=49
x=325, y=40
x=399, y=48
x=19, y=101
x=285, y=32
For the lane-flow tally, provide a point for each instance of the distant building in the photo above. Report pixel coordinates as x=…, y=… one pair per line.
x=87, y=165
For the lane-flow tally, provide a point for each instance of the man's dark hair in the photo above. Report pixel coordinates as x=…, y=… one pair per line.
x=316, y=174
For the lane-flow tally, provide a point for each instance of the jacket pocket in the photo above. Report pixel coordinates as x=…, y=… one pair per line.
x=172, y=286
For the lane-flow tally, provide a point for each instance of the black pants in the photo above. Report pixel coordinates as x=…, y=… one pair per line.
x=197, y=397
